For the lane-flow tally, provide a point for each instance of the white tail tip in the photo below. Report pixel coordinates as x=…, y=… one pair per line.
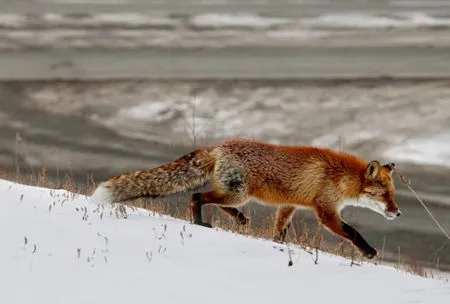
x=103, y=195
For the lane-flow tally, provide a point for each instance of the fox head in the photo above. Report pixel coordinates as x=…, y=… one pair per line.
x=378, y=190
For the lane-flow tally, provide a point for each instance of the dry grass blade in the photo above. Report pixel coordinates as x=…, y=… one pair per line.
x=149, y=255
x=435, y=255
x=408, y=185
x=352, y=262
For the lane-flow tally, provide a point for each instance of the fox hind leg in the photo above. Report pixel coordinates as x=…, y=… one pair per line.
x=283, y=222
x=235, y=214
x=229, y=191
x=223, y=201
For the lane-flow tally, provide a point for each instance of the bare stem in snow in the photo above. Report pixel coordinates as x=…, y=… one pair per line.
x=290, y=263
x=182, y=238
x=318, y=241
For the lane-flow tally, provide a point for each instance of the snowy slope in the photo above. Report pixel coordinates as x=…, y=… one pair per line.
x=70, y=258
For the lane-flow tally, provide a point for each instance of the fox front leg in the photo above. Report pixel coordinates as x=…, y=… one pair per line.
x=283, y=222
x=336, y=225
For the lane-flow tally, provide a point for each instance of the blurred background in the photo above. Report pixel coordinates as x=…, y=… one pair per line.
x=99, y=87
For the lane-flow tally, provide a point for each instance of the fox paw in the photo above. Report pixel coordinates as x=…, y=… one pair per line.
x=370, y=253
x=241, y=219
x=279, y=238
x=208, y=225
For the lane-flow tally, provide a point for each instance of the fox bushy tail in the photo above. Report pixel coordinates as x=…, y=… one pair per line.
x=186, y=173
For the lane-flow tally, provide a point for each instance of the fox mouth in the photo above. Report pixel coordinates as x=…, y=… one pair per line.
x=392, y=215
x=373, y=204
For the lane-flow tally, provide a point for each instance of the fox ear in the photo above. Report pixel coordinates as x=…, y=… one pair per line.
x=389, y=166
x=373, y=169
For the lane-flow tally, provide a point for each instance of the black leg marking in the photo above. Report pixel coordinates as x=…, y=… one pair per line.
x=359, y=241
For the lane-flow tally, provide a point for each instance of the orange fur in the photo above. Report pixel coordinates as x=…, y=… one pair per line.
x=288, y=177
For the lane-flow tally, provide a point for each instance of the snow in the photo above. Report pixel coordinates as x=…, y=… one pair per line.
x=155, y=110
x=243, y=20
x=12, y=20
x=433, y=150
x=370, y=21
x=403, y=140
x=56, y=248
x=108, y=19
x=300, y=27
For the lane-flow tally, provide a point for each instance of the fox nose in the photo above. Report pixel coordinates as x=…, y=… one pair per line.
x=399, y=213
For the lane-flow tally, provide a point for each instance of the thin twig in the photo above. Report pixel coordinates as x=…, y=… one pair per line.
x=408, y=184
x=290, y=263
x=192, y=126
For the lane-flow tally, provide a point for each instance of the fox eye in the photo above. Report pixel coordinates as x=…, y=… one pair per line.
x=374, y=194
x=379, y=183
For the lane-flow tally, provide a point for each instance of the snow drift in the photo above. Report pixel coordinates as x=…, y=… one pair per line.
x=57, y=248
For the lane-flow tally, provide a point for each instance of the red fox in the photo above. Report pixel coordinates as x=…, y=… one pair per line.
x=288, y=177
